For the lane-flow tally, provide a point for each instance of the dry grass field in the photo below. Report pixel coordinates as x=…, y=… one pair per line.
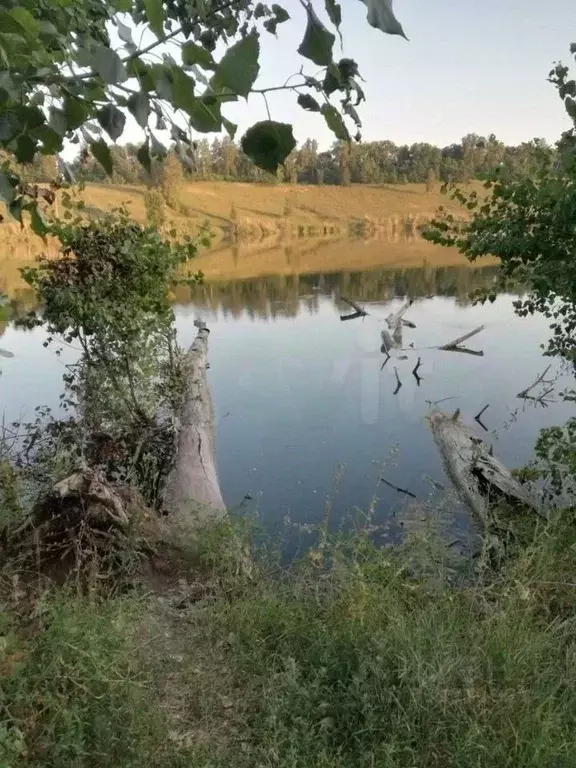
x=261, y=229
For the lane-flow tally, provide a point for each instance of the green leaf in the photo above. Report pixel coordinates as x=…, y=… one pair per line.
x=10, y=125
x=308, y=102
x=381, y=16
x=335, y=122
x=270, y=25
x=205, y=115
x=196, y=54
x=351, y=112
x=143, y=156
x=280, y=16
x=155, y=16
x=7, y=192
x=76, y=112
x=124, y=6
x=58, y=121
x=570, y=105
x=112, y=120
x=231, y=128
x=268, y=144
x=26, y=21
x=37, y=220
x=109, y=65
x=334, y=12
x=51, y=141
x=318, y=42
x=101, y=152
x=25, y=148
x=280, y=13
x=139, y=106
x=182, y=90
x=239, y=67
x=332, y=80
x=124, y=33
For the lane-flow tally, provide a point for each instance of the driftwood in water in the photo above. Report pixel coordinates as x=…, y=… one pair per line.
x=479, y=415
x=455, y=346
x=474, y=471
x=541, y=398
x=395, y=323
x=358, y=311
x=192, y=493
x=397, y=318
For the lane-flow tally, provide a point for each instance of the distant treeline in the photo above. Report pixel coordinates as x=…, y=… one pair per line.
x=374, y=162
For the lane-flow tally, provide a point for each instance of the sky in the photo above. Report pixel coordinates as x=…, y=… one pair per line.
x=470, y=66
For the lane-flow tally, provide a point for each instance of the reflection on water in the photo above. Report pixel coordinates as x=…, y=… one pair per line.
x=298, y=392
x=284, y=296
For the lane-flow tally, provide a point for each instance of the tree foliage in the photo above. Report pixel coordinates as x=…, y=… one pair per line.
x=108, y=293
x=528, y=220
x=369, y=162
x=71, y=70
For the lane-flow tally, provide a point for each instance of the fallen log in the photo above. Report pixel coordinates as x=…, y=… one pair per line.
x=395, y=319
x=455, y=346
x=356, y=307
x=358, y=311
x=472, y=468
x=192, y=493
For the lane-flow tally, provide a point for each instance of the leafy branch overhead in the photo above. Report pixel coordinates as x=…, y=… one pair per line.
x=70, y=71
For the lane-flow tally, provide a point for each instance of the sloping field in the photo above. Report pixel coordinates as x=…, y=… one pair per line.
x=270, y=229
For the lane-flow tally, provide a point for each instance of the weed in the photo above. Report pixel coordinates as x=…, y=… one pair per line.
x=73, y=690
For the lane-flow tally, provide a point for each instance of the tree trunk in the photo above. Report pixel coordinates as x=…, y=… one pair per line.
x=192, y=492
x=474, y=471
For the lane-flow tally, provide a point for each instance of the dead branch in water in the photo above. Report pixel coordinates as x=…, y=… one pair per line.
x=396, y=488
x=358, y=311
x=457, y=342
x=478, y=417
x=524, y=395
x=398, y=382
x=415, y=372
x=395, y=319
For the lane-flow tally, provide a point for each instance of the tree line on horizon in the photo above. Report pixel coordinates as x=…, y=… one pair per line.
x=370, y=162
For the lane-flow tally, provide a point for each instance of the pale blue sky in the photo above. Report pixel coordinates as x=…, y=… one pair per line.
x=469, y=67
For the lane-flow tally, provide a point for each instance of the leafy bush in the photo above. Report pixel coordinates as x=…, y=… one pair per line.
x=154, y=205
x=172, y=181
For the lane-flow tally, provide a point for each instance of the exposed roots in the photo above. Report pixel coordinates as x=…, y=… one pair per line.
x=85, y=527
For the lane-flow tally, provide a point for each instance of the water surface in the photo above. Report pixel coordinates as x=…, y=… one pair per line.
x=302, y=397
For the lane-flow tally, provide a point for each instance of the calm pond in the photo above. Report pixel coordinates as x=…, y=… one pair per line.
x=303, y=401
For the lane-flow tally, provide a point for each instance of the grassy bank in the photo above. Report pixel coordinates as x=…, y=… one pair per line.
x=347, y=660
x=255, y=212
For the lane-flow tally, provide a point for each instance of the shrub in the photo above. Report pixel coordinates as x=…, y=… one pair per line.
x=154, y=204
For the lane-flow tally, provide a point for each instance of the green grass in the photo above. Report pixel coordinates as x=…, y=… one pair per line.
x=348, y=660
x=73, y=691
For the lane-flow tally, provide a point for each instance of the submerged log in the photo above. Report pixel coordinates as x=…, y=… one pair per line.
x=474, y=471
x=192, y=493
x=456, y=345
